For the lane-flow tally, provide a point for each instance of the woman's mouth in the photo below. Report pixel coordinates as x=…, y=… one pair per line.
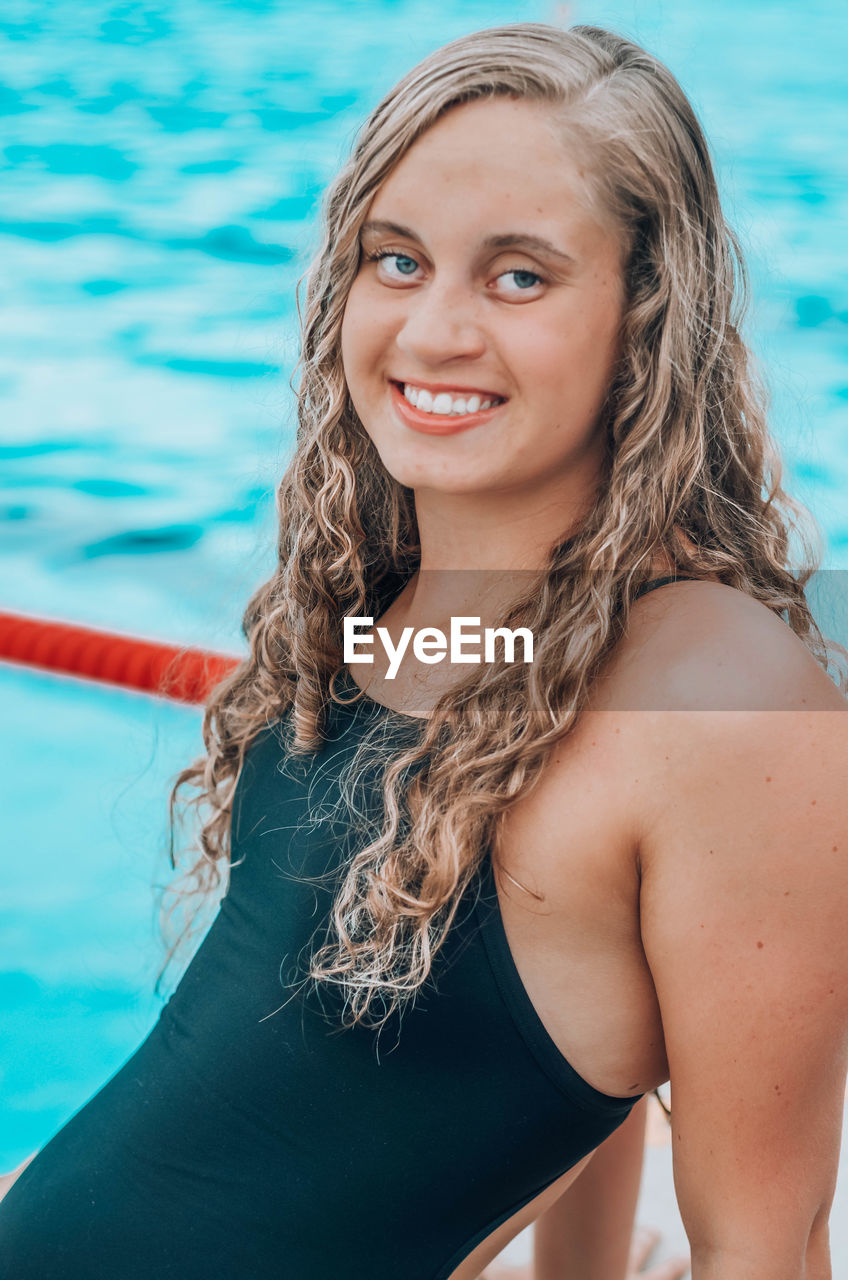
x=442, y=413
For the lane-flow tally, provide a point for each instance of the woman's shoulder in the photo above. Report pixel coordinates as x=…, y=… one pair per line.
x=702, y=645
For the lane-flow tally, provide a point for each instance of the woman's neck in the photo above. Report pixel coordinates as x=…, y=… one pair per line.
x=493, y=531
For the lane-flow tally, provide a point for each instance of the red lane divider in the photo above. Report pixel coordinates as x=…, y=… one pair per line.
x=185, y=675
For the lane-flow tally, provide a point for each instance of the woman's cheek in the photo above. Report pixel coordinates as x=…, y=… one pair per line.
x=366, y=339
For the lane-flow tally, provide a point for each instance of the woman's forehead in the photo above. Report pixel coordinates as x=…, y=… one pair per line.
x=493, y=137
x=488, y=168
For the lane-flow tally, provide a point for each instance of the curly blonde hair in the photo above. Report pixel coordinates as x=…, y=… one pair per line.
x=689, y=452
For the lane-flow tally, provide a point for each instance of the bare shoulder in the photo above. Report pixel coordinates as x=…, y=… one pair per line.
x=730, y=725
x=706, y=646
x=715, y=710
x=708, y=693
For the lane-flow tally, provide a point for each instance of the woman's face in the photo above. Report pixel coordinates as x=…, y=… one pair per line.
x=484, y=277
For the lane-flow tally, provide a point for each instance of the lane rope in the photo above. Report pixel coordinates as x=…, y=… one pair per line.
x=165, y=670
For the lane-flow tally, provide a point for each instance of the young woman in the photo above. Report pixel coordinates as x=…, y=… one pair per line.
x=476, y=911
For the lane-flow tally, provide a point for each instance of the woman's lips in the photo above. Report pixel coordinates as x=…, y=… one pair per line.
x=437, y=424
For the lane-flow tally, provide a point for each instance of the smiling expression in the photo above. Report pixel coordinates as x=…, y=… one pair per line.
x=485, y=279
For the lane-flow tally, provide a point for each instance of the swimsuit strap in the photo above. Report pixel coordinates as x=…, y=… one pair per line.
x=661, y=582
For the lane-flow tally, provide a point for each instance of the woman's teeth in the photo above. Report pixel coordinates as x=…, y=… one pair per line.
x=444, y=402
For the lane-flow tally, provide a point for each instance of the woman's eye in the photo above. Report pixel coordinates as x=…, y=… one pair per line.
x=523, y=280
x=402, y=266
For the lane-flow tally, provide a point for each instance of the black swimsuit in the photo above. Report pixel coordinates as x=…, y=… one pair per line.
x=249, y=1138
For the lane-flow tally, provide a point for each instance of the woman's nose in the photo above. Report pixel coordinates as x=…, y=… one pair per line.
x=442, y=324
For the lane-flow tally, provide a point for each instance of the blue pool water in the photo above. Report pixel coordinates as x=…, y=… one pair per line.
x=162, y=164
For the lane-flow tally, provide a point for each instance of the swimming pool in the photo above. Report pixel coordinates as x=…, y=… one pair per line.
x=163, y=166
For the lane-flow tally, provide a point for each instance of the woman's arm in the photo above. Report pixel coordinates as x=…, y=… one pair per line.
x=744, y=897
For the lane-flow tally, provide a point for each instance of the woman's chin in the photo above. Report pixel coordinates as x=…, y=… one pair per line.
x=445, y=479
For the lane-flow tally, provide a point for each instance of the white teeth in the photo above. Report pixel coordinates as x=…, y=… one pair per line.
x=444, y=403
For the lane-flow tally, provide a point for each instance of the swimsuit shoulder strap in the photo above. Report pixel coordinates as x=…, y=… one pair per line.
x=661, y=582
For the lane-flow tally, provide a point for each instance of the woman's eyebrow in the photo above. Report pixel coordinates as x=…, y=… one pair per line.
x=524, y=240
x=507, y=240
x=388, y=228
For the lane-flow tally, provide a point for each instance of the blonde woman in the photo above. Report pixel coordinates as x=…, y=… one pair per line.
x=476, y=911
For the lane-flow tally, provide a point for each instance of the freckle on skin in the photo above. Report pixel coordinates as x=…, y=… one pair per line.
x=786, y=893
x=759, y=945
x=768, y=779
x=812, y=802
x=835, y=849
